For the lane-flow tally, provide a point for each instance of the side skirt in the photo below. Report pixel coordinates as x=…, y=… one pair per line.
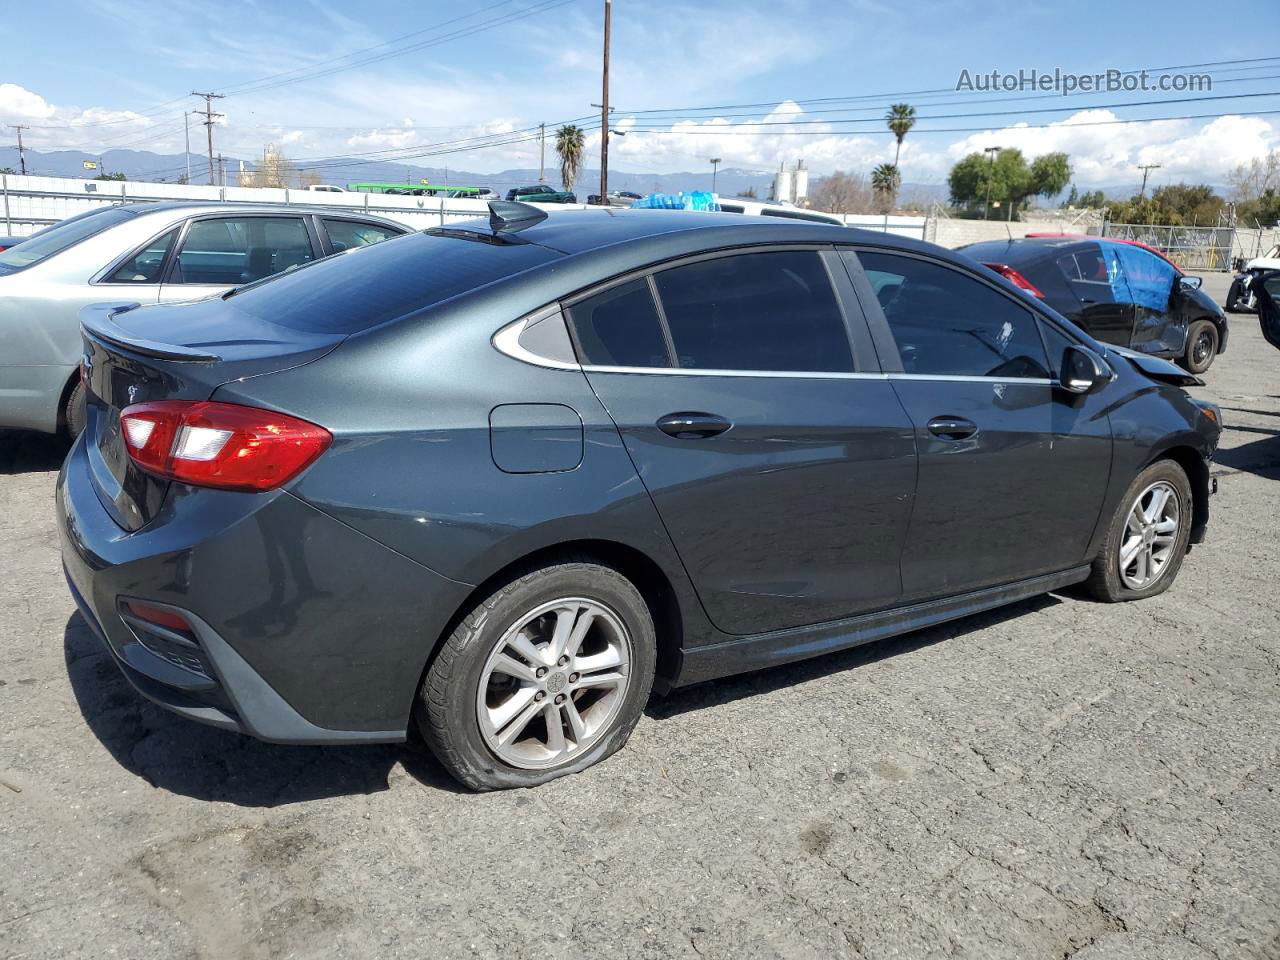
x=743, y=654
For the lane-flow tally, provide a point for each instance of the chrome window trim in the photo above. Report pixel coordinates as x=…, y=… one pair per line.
x=771, y=374
x=507, y=341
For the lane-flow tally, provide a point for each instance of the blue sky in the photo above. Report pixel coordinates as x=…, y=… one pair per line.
x=96, y=75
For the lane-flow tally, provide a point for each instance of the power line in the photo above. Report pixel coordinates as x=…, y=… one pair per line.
x=1076, y=108
x=866, y=133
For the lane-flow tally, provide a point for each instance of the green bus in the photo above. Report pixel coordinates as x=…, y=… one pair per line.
x=421, y=190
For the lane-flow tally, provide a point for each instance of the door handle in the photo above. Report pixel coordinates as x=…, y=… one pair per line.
x=693, y=426
x=952, y=428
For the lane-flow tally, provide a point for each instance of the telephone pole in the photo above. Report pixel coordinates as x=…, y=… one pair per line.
x=604, y=109
x=186, y=131
x=208, y=122
x=22, y=157
x=1146, y=169
x=542, y=152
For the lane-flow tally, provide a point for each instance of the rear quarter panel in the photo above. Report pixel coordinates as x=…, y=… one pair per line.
x=412, y=463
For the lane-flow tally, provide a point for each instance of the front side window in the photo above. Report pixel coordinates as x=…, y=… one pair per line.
x=349, y=234
x=619, y=327
x=768, y=311
x=229, y=251
x=145, y=265
x=1150, y=279
x=946, y=323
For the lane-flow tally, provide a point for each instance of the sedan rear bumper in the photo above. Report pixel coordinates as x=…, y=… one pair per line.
x=283, y=644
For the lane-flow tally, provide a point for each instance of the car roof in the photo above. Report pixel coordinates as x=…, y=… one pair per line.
x=581, y=231
x=144, y=208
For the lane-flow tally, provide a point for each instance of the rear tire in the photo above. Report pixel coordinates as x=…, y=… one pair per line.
x=1140, y=528
x=73, y=414
x=1202, y=346
x=546, y=676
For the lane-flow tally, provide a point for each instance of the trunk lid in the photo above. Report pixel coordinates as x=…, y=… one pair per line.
x=136, y=354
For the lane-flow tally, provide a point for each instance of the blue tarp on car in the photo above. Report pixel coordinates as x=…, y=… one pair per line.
x=694, y=200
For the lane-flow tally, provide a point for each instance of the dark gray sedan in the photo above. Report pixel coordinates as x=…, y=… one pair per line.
x=501, y=479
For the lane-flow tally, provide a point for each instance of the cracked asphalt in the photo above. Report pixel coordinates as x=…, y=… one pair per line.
x=1056, y=779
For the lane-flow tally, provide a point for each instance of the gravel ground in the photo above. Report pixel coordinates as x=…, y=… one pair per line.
x=1060, y=778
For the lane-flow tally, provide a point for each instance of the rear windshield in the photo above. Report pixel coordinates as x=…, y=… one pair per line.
x=60, y=236
x=354, y=291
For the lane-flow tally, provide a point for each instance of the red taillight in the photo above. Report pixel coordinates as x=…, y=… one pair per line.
x=161, y=618
x=221, y=445
x=1017, y=279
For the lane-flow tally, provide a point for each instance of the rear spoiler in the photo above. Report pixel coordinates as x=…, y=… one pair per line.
x=98, y=321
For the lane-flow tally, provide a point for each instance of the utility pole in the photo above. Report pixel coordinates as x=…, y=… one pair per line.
x=1146, y=169
x=22, y=157
x=715, y=166
x=604, y=109
x=991, y=169
x=208, y=123
x=186, y=130
x=222, y=177
x=542, y=155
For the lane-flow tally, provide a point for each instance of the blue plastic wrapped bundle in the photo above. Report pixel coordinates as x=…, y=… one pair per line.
x=694, y=200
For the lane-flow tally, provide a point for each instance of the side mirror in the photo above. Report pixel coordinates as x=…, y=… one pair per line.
x=1083, y=371
x=1189, y=283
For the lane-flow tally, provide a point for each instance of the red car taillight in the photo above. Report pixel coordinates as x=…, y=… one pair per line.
x=1017, y=279
x=222, y=445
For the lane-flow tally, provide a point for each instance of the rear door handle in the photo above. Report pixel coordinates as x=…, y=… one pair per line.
x=693, y=426
x=952, y=428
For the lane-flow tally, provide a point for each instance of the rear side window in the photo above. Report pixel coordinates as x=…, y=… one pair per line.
x=946, y=323
x=62, y=236
x=229, y=251
x=619, y=327
x=770, y=311
x=349, y=234
x=145, y=265
x=389, y=280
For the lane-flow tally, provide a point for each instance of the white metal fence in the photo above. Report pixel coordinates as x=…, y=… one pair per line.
x=32, y=203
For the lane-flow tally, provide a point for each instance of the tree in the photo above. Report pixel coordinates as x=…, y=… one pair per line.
x=842, y=193
x=1255, y=187
x=900, y=119
x=9, y=171
x=749, y=193
x=110, y=176
x=885, y=181
x=1175, y=205
x=1008, y=178
x=569, y=140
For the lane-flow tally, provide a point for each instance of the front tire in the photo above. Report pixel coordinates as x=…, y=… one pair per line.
x=546, y=676
x=1202, y=346
x=1147, y=538
x=1233, y=297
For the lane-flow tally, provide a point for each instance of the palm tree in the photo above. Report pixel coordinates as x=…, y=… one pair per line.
x=900, y=119
x=885, y=181
x=569, y=147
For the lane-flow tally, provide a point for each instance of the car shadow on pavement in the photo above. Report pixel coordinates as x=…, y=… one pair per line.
x=24, y=451
x=716, y=692
x=1261, y=456
x=189, y=758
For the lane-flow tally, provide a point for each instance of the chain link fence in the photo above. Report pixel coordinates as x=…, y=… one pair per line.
x=1191, y=248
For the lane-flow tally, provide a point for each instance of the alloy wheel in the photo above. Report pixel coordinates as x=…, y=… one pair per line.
x=553, y=683
x=1203, y=347
x=1151, y=531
